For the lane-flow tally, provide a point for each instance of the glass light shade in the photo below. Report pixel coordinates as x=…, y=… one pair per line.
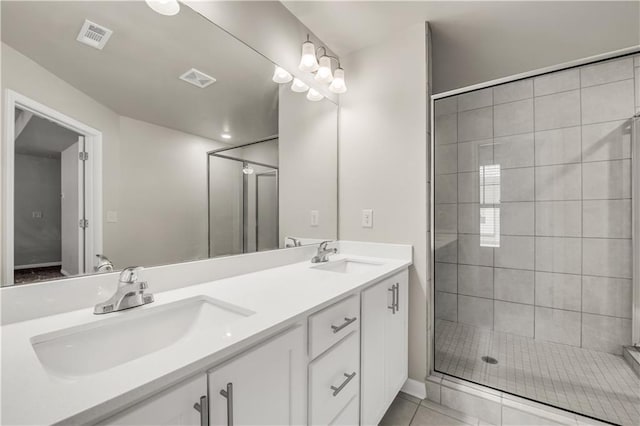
x=314, y=95
x=324, y=71
x=298, y=86
x=308, y=61
x=338, y=85
x=281, y=76
x=164, y=7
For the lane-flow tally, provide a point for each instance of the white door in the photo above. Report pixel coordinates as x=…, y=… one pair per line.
x=264, y=386
x=396, y=338
x=174, y=407
x=72, y=204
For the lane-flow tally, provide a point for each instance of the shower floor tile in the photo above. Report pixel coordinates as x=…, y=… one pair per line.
x=588, y=382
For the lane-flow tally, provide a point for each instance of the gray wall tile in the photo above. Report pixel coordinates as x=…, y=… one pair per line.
x=446, y=106
x=446, y=277
x=475, y=311
x=605, y=257
x=606, y=180
x=513, y=91
x=513, y=318
x=514, y=151
x=469, y=218
x=560, y=291
x=559, y=110
x=475, y=124
x=637, y=80
x=606, y=334
x=607, y=218
x=606, y=72
x=446, y=216
x=475, y=281
x=517, y=184
x=607, y=102
x=446, y=306
x=558, y=146
x=515, y=252
x=447, y=189
x=475, y=99
x=557, y=82
x=559, y=218
x=555, y=254
x=469, y=187
x=517, y=218
x=446, y=129
x=514, y=285
x=607, y=296
x=606, y=141
x=561, y=182
x=554, y=325
x=446, y=247
x=513, y=118
x=446, y=159
x=472, y=155
x=471, y=253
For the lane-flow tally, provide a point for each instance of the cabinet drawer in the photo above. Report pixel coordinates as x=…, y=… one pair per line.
x=333, y=323
x=334, y=380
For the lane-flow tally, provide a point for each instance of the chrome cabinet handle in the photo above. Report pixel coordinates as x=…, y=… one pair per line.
x=229, y=395
x=336, y=390
x=346, y=322
x=203, y=408
x=393, y=299
x=397, y=286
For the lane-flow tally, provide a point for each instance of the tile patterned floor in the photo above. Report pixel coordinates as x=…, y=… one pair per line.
x=593, y=383
x=407, y=410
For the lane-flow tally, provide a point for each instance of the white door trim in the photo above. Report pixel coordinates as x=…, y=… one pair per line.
x=93, y=178
x=635, y=223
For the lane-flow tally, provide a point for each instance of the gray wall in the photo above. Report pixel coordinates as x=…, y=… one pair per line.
x=37, y=189
x=562, y=271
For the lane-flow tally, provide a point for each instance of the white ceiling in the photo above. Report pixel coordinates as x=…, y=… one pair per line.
x=136, y=74
x=478, y=41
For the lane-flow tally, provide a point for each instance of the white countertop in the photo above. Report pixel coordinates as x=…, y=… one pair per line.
x=279, y=297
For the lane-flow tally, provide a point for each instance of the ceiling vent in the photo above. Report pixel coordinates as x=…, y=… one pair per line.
x=94, y=35
x=197, y=78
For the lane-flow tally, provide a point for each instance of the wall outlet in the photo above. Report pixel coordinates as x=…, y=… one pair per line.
x=367, y=218
x=112, y=216
x=315, y=217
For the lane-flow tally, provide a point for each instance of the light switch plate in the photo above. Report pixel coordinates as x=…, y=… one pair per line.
x=367, y=218
x=315, y=217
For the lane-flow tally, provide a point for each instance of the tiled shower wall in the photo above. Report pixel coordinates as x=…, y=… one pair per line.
x=561, y=270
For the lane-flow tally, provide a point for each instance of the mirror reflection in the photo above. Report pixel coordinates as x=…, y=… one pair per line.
x=186, y=151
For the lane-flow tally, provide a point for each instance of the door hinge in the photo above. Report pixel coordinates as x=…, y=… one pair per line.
x=84, y=156
x=84, y=223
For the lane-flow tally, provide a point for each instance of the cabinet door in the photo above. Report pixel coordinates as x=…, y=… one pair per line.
x=375, y=309
x=171, y=407
x=263, y=386
x=396, y=338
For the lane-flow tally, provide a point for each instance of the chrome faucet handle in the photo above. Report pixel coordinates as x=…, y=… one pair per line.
x=129, y=275
x=323, y=245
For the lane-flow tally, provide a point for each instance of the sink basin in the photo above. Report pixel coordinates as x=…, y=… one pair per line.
x=104, y=344
x=347, y=266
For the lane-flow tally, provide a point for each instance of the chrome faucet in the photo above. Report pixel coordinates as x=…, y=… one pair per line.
x=130, y=293
x=323, y=253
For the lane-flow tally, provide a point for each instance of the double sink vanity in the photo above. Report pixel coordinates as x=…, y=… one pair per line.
x=304, y=343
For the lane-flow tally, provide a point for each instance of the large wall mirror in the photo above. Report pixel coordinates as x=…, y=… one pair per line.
x=133, y=138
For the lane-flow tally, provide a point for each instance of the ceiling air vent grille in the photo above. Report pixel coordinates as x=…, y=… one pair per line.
x=94, y=35
x=197, y=78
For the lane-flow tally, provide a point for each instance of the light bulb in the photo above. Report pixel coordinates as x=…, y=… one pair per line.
x=314, y=95
x=338, y=85
x=324, y=71
x=298, y=86
x=281, y=76
x=247, y=170
x=308, y=61
x=225, y=136
x=164, y=7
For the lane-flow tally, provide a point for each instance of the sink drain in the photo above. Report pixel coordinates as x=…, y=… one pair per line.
x=489, y=360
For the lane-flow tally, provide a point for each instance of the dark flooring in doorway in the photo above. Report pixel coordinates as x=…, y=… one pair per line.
x=32, y=275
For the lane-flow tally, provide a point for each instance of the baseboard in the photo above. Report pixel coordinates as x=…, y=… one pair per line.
x=37, y=265
x=415, y=388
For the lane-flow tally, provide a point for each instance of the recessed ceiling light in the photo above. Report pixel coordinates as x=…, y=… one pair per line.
x=226, y=136
x=164, y=7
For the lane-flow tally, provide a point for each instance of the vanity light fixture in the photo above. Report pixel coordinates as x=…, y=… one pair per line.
x=324, y=71
x=308, y=61
x=299, y=86
x=164, y=7
x=338, y=85
x=314, y=95
x=280, y=76
x=225, y=136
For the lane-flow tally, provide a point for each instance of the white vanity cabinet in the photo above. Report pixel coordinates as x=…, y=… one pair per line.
x=263, y=385
x=384, y=345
